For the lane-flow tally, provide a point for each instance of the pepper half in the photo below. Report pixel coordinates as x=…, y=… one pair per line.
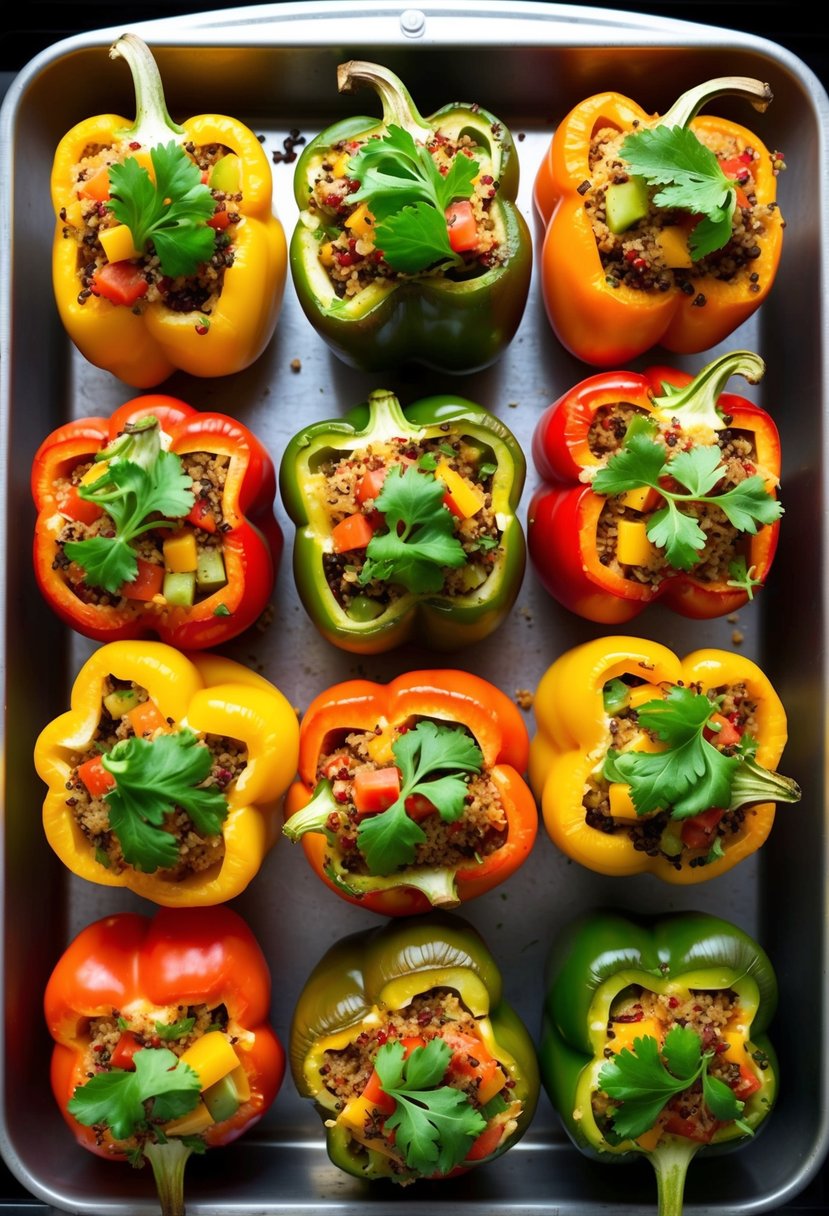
x=241, y=529
x=128, y=698
x=606, y=322
x=226, y=328
x=456, y=320
x=130, y=983
x=591, y=715
x=326, y=806
x=377, y=436
x=571, y=526
x=601, y=963
x=363, y=991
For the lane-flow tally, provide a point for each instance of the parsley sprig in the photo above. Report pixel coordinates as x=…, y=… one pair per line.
x=171, y=212
x=691, y=179
x=407, y=194
x=152, y=777
x=643, y=461
x=644, y=1080
x=434, y=1125
x=432, y=760
x=160, y=1088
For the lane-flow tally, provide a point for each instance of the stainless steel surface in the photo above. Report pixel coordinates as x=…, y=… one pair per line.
x=274, y=67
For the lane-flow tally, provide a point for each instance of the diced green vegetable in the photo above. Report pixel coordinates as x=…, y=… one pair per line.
x=626, y=203
x=226, y=174
x=365, y=608
x=120, y=702
x=222, y=1099
x=616, y=696
x=210, y=571
x=180, y=588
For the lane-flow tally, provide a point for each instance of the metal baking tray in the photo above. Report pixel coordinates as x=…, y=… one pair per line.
x=275, y=68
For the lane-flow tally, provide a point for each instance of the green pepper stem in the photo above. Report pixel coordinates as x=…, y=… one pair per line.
x=168, y=1161
x=753, y=783
x=153, y=124
x=670, y=1160
x=689, y=104
x=697, y=401
x=313, y=816
x=386, y=417
x=398, y=107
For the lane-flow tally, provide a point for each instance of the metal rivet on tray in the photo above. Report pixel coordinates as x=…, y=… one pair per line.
x=412, y=22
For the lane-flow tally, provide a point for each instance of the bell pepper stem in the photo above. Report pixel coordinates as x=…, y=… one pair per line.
x=697, y=401
x=140, y=443
x=670, y=1161
x=168, y=1161
x=398, y=107
x=153, y=124
x=689, y=104
x=753, y=783
x=386, y=417
x=313, y=816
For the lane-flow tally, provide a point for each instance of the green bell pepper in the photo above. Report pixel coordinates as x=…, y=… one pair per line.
x=388, y=612
x=353, y=1002
x=459, y=312
x=601, y=1066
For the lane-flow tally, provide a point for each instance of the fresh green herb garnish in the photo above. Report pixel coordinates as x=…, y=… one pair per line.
x=152, y=778
x=428, y=461
x=434, y=1127
x=642, y=461
x=174, y=1030
x=645, y=1079
x=743, y=577
x=692, y=180
x=420, y=540
x=116, y=1099
x=170, y=211
x=431, y=759
x=487, y=543
x=122, y=1023
x=487, y=469
x=615, y=696
x=222, y=610
x=447, y=449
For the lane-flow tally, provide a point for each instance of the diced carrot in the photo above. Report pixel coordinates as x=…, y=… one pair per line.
x=95, y=777
x=377, y=1096
x=470, y=1058
x=353, y=532
x=147, y=583
x=97, y=186
x=486, y=1143
x=120, y=282
x=146, y=718
x=201, y=515
x=461, y=226
x=79, y=509
x=124, y=1050
x=375, y=789
x=371, y=483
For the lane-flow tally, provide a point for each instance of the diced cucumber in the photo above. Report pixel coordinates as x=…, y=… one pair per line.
x=180, y=588
x=616, y=696
x=626, y=203
x=210, y=570
x=120, y=702
x=222, y=1099
x=365, y=608
x=226, y=174
x=670, y=842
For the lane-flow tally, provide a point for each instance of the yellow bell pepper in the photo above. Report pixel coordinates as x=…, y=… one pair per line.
x=205, y=694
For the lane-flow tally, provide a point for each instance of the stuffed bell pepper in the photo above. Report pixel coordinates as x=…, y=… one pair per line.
x=163, y=1046
x=165, y=774
x=410, y=794
x=644, y=762
x=416, y=1064
x=654, y=1040
x=159, y=520
x=660, y=229
x=167, y=254
x=656, y=486
x=409, y=245
x=406, y=523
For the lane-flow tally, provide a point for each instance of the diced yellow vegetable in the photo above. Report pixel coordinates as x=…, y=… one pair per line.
x=340, y=166
x=379, y=747
x=212, y=1057
x=649, y=1140
x=327, y=253
x=643, y=498
x=632, y=545
x=621, y=803
x=354, y=1116
x=117, y=243
x=737, y=1053
x=361, y=222
x=94, y=472
x=241, y=1080
x=73, y=214
x=625, y=1032
x=672, y=244
x=467, y=498
x=643, y=742
x=145, y=160
x=197, y=1120
x=640, y=694
x=180, y=553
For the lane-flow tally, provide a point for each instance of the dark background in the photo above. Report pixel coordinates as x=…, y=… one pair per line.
x=30, y=26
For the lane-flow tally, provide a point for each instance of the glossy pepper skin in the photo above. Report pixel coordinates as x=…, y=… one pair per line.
x=440, y=622
x=564, y=512
x=445, y=696
x=607, y=326
x=381, y=970
x=178, y=956
x=573, y=728
x=143, y=350
x=251, y=547
x=452, y=326
x=207, y=693
x=592, y=961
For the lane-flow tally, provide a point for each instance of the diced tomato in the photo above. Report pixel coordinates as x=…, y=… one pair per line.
x=125, y=1049
x=219, y=220
x=747, y=1085
x=461, y=226
x=201, y=515
x=419, y=807
x=95, y=777
x=691, y=1129
x=471, y=1059
x=376, y=789
x=146, y=718
x=335, y=764
x=371, y=483
x=80, y=509
x=96, y=187
x=120, y=283
x=728, y=734
x=353, y=532
x=486, y=1143
x=377, y=1096
x=698, y=833
x=147, y=583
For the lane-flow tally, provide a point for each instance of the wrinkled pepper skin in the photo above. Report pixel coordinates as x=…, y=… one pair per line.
x=606, y=326
x=592, y=961
x=209, y=694
x=178, y=956
x=251, y=547
x=449, y=696
x=564, y=512
x=383, y=969
x=573, y=727
x=440, y=622
x=144, y=350
x=458, y=326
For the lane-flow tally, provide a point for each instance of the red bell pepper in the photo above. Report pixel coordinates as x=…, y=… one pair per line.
x=571, y=536
x=205, y=982
x=248, y=536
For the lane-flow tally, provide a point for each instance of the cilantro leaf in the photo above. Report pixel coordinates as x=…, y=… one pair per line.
x=434, y=1127
x=639, y=462
x=720, y=1099
x=743, y=577
x=692, y=180
x=420, y=540
x=171, y=212
x=116, y=1099
x=389, y=840
x=152, y=778
x=174, y=1030
x=415, y=238
x=682, y=1050
x=678, y=534
x=748, y=504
